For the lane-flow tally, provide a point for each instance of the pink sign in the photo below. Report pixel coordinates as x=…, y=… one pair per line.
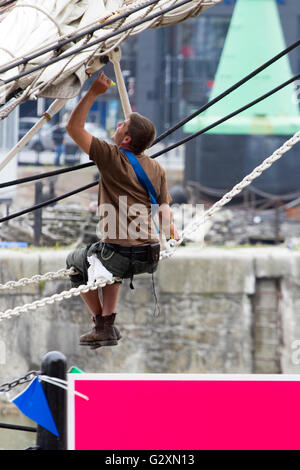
x=184, y=412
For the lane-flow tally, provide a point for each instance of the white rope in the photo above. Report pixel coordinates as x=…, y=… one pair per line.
x=101, y=19
x=7, y=52
x=58, y=104
x=194, y=225
x=59, y=39
x=108, y=16
x=37, y=278
x=41, y=10
x=75, y=291
x=170, y=251
x=81, y=59
x=62, y=384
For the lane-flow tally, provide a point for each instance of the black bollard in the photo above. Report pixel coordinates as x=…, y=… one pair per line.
x=54, y=364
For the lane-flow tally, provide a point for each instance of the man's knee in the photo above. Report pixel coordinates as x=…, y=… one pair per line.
x=76, y=260
x=70, y=260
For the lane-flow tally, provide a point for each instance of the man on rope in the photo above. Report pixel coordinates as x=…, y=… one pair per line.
x=132, y=188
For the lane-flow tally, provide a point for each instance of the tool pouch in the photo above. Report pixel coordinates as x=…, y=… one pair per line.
x=153, y=252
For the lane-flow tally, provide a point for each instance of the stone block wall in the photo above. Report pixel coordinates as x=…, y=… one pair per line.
x=221, y=311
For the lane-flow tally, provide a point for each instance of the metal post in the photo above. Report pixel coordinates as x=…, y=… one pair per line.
x=54, y=364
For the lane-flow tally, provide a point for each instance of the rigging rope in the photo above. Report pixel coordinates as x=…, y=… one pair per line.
x=95, y=42
x=47, y=174
x=61, y=43
x=173, y=245
x=79, y=57
x=192, y=136
x=241, y=185
x=176, y=126
x=49, y=201
x=8, y=2
x=226, y=118
x=194, y=224
x=228, y=91
x=24, y=5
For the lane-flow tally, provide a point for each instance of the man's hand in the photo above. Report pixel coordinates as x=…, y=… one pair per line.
x=174, y=233
x=166, y=225
x=75, y=126
x=101, y=84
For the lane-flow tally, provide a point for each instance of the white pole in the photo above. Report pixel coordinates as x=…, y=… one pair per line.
x=115, y=57
x=53, y=109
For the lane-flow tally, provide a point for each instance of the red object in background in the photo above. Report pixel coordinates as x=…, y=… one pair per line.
x=187, y=51
x=186, y=411
x=210, y=84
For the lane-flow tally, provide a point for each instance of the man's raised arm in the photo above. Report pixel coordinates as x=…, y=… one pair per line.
x=75, y=126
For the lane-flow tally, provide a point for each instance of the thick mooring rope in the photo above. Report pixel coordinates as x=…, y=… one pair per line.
x=170, y=251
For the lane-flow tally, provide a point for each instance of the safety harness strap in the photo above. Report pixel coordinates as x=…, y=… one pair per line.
x=141, y=176
x=145, y=182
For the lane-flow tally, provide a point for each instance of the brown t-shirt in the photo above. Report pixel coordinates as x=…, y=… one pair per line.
x=124, y=205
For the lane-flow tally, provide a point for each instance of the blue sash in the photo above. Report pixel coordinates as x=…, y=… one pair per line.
x=143, y=179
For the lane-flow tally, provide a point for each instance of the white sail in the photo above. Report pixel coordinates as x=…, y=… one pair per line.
x=30, y=26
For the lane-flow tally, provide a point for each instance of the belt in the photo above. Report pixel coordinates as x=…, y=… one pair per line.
x=128, y=250
x=141, y=253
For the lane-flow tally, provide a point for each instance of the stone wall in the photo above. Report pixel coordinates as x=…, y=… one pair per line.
x=221, y=311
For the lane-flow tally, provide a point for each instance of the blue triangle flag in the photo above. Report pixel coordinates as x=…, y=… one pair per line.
x=33, y=403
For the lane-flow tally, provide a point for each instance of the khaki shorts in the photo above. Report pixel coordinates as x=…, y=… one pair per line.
x=119, y=265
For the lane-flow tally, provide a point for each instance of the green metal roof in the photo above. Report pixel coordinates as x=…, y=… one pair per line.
x=254, y=36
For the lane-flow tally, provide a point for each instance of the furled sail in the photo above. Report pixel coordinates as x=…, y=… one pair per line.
x=49, y=48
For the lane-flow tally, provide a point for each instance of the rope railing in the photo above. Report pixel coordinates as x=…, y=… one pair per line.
x=195, y=223
x=75, y=291
x=37, y=279
x=172, y=246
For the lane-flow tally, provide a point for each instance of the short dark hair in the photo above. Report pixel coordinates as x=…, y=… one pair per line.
x=142, y=132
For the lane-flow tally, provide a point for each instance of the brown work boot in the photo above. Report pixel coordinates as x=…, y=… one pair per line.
x=103, y=333
x=109, y=319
